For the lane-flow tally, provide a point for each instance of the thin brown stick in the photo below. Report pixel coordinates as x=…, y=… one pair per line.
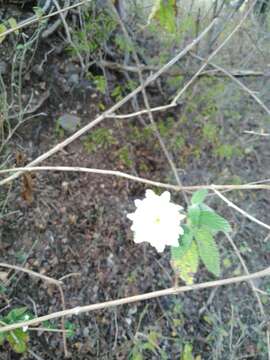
x=32, y=273
x=131, y=299
x=248, y=186
x=175, y=72
x=143, y=111
x=241, y=211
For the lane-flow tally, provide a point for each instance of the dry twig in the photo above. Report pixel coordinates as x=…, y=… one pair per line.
x=131, y=299
x=259, y=185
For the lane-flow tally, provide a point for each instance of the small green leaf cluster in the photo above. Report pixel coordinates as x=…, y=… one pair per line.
x=18, y=338
x=102, y=137
x=96, y=31
x=198, y=243
x=10, y=23
x=149, y=344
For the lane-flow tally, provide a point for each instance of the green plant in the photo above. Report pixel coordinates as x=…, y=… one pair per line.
x=124, y=156
x=148, y=343
x=123, y=44
x=100, y=82
x=187, y=352
x=118, y=93
x=99, y=138
x=210, y=132
x=227, y=151
x=18, y=338
x=165, y=13
x=197, y=243
x=95, y=32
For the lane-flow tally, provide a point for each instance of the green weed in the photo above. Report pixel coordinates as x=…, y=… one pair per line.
x=96, y=31
x=100, y=138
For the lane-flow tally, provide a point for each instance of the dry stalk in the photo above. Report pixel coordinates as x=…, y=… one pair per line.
x=131, y=299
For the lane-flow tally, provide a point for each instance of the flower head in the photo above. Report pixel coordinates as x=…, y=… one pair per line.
x=157, y=220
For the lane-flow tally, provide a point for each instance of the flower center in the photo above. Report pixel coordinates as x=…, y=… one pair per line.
x=157, y=220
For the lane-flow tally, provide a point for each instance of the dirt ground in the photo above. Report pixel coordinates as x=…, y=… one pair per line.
x=76, y=224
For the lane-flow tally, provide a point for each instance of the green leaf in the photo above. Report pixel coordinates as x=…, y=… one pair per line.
x=15, y=315
x=38, y=11
x=199, y=196
x=184, y=244
x=70, y=327
x=136, y=355
x=214, y=222
x=18, y=340
x=208, y=250
x=187, y=353
x=188, y=264
x=13, y=24
x=2, y=338
x=194, y=213
x=3, y=29
x=165, y=12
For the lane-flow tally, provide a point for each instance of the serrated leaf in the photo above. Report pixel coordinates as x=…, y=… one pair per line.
x=199, y=196
x=188, y=264
x=184, y=244
x=15, y=315
x=208, y=250
x=214, y=222
x=18, y=340
x=3, y=29
x=194, y=213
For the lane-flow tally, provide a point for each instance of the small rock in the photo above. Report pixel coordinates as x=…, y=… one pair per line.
x=69, y=122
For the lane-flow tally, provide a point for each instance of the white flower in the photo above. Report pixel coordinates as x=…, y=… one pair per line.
x=157, y=220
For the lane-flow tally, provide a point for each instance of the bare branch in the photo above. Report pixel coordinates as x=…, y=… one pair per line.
x=131, y=299
x=249, y=186
x=244, y=213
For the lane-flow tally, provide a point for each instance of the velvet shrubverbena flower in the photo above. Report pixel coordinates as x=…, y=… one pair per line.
x=157, y=220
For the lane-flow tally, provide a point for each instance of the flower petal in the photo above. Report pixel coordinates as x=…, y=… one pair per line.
x=150, y=194
x=131, y=216
x=166, y=196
